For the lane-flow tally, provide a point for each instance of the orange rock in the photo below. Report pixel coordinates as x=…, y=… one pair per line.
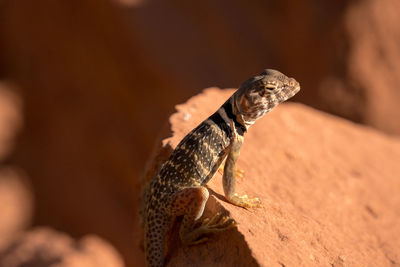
x=16, y=204
x=47, y=247
x=329, y=187
x=10, y=118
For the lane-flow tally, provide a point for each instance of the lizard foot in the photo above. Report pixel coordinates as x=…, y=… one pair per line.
x=217, y=223
x=245, y=202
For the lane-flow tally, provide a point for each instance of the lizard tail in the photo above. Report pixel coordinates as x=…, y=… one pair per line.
x=157, y=225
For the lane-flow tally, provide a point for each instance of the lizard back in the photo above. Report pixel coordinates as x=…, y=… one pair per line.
x=197, y=157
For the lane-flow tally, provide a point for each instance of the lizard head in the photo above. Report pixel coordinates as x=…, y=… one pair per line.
x=261, y=93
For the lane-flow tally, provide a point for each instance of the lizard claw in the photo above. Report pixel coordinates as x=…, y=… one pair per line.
x=239, y=173
x=245, y=202
x=217, y=223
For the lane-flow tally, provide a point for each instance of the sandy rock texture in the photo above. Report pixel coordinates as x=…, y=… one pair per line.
x=330, y=191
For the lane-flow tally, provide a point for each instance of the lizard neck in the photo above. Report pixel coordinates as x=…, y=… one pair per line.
x=242, y=121
x=239, y=116
x=239, y=124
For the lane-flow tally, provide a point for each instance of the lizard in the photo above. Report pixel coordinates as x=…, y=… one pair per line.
x=178, y=188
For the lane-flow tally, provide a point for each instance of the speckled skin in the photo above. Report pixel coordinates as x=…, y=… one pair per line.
x=178, y=188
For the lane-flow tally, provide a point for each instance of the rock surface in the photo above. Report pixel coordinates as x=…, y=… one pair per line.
x=10, y=118
x=16, y=198
x=330, y=191
x=373, y=62
x=41, y=246
x=46, y=247
x=81, y=146
x=16, y=204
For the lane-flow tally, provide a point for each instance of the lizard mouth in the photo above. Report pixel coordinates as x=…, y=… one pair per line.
x=287, y=93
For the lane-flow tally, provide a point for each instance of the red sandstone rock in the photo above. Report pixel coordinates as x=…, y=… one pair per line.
x=15, y=195
x=84, y=145
x=374, y=61
x=330, y=190
x=10, y=118
x=43, y=246
x=16, y=204
x=46, y=247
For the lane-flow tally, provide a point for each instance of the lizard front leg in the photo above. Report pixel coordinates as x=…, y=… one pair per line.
x=190, y=203
x=228, y=178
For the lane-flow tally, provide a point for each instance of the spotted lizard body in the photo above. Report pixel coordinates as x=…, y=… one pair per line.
x=178, y=189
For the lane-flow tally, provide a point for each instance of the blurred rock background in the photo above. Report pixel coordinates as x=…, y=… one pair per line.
x=87, y=86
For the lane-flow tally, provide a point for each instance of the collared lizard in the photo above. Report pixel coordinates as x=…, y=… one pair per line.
x=178, y=188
